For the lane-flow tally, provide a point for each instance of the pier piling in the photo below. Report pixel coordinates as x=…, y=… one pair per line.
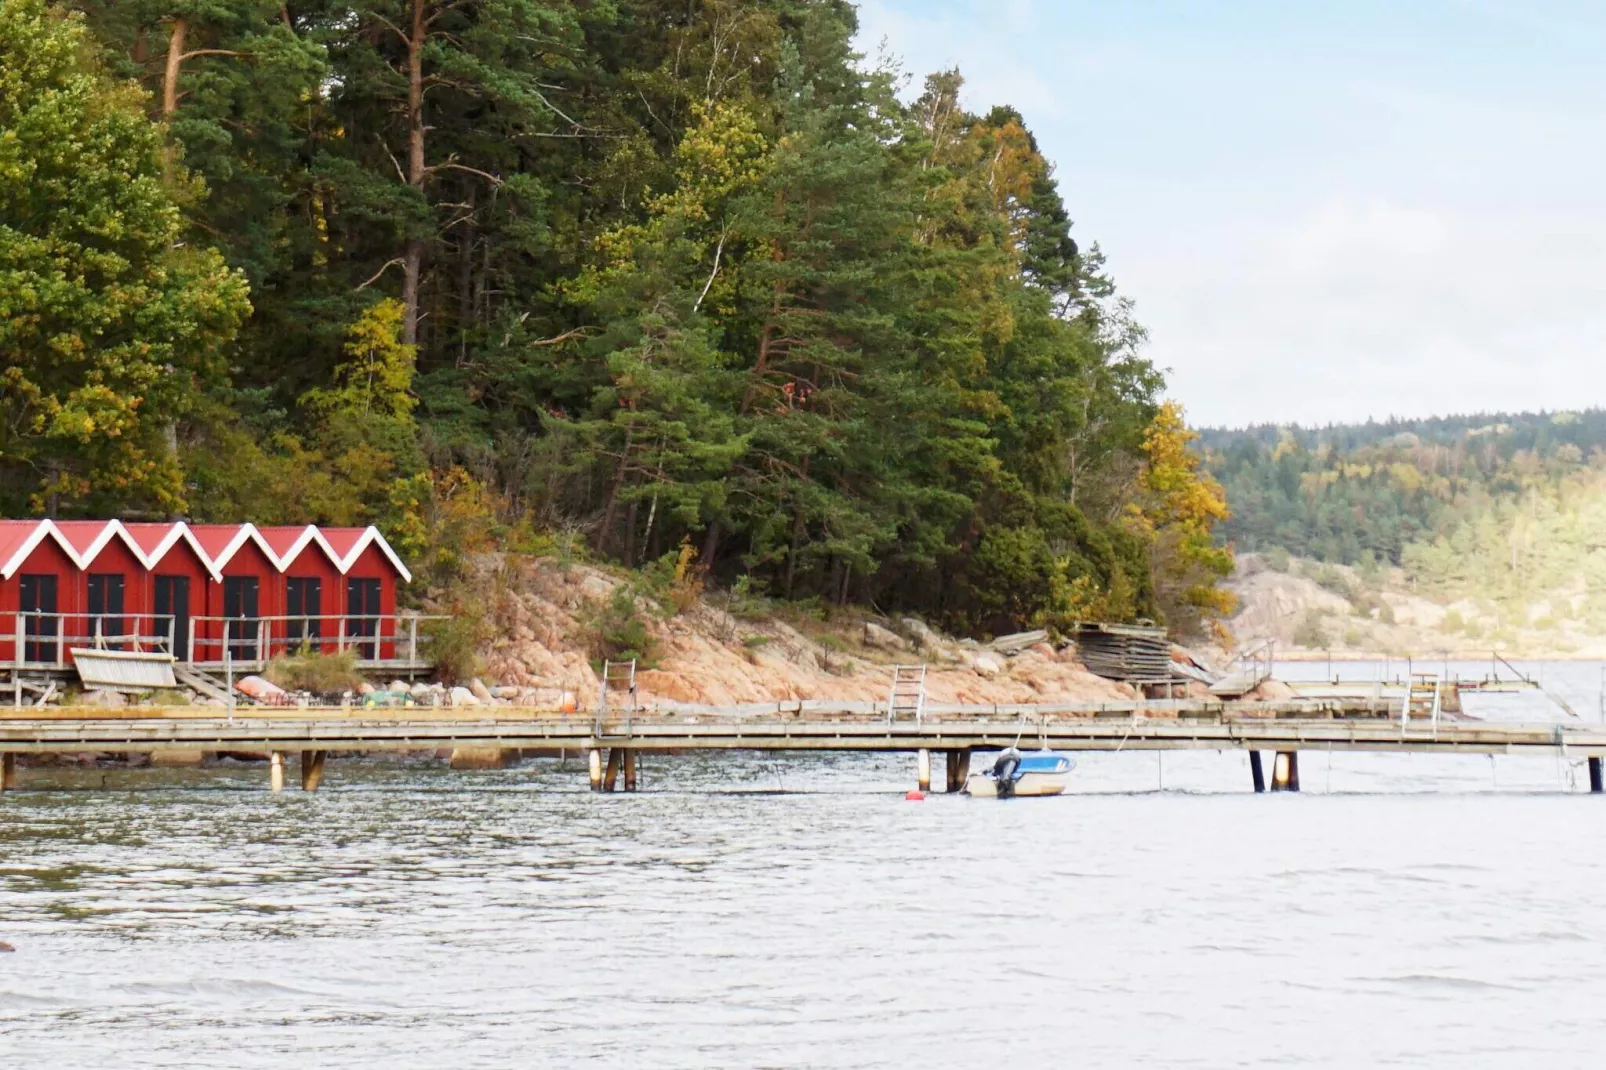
x=276, y=771
x=630, y=770
x=958, y=769
x=594, y=762
x=1256, y=772
x=610, y=779
x=1595, y=786
x=923, y=769
x=311, y=769
x=8, y=772
x=1285, y=771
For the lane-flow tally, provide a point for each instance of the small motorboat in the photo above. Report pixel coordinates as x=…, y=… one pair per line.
x=1016, y=774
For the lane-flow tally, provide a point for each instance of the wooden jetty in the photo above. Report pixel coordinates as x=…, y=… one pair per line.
x=613, y=740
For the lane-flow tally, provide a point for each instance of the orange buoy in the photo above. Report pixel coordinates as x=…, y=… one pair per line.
x=916, y=796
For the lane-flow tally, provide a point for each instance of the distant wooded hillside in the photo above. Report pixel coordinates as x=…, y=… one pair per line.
x=1506, y=512
x=1350, y=493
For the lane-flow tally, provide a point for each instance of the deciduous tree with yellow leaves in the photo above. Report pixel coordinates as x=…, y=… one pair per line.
x=1176, y=509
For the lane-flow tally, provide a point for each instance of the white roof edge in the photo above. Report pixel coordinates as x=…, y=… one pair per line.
x=181, y=530
x=42, y=530
x=110, y=530
x=372, y=535
x=308, y=534
x=317, y=536
x=248, y=533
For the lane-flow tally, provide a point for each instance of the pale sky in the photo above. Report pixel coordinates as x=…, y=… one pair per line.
x=1324, y=211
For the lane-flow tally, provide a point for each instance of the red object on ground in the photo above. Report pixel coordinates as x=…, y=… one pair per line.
x=916, y=796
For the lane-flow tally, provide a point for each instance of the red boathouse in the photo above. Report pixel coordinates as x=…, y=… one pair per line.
x=195, y=589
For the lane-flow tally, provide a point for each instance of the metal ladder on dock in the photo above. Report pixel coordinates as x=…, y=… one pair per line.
x=908, y=695
x=620, y=677
x=1421, y=698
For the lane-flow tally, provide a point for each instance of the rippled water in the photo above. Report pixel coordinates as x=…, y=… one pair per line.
x=797, y=912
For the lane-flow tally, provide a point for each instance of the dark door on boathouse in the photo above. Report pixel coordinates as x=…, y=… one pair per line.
x=40, y=626
x=240, y=607
x=173, y=606
x=303, y=597
x=106, y=606
x=362, y=615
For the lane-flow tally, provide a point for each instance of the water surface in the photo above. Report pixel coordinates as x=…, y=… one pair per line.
x=797, y=912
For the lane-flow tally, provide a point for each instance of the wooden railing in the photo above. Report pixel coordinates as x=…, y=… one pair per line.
x=44, y=640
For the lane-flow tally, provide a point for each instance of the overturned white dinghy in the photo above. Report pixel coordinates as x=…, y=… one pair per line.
x=1023, y=775
x=124, y=670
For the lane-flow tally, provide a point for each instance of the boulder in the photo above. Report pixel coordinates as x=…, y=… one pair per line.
x=462, y=696
x=883, y=638
x=506, y=691
x=177, y=758
x=480, y=758
x=924, y=635
x=1014, y=644
x=1272, y=691
x=397, y=687
x=107, y=699
x=366, y=688
x=987, y=666
x=481, y=692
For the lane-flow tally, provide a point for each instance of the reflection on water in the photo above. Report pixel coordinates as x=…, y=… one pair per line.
x=757, y=911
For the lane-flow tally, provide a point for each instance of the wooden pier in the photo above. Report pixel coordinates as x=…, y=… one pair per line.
x=614, y=740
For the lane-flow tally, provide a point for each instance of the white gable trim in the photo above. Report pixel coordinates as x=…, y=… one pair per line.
x=44, y=530
x=181, y=532
x=247, y=533
x=372, y=536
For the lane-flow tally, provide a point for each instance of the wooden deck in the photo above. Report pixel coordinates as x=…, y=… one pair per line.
x=1157, y=726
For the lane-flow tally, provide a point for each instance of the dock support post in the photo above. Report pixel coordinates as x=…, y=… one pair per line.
x=8, y=772
x=1595, y=786
x=594, y=762
x=923, y=769
x=1256, y=772
x=276, y=771
x=958, y=769
x=610, y=779
x=630, y=770
x=311, y=769
x=1285, y=771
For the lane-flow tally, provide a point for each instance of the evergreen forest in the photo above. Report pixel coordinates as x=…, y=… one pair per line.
x=657, y=278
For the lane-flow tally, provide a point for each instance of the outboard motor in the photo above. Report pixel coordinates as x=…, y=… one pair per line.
x=1005, y=772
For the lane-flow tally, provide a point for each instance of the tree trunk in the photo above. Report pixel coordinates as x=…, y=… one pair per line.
x=710, y=546
x=465, y=283
x=791, y=553
x=413, y=258
x=630, y=533
x=608, y=511
x=175, y=64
